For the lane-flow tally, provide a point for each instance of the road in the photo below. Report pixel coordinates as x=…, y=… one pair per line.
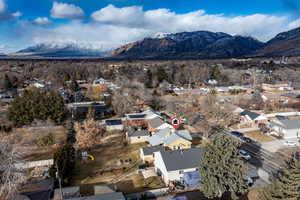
x=261, y=158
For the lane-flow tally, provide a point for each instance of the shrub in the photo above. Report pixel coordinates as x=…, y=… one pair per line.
x=46, y=140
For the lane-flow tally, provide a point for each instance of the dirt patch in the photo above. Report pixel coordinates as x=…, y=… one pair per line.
x=259, y=136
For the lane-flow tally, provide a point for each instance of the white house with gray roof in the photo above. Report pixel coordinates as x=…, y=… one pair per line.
x=172, y=165
x=287, y=128
x=138, y=136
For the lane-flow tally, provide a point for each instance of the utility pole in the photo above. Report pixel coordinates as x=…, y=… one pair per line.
x=59, y=181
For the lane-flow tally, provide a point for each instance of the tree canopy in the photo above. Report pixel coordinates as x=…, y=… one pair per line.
x=40, y=104
x=222, y=170
x=288, y=184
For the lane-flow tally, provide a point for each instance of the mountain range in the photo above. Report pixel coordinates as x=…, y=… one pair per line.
x=60, y=50
x=185, y=45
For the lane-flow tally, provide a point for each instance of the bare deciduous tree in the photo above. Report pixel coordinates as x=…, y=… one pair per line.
x=87, y=133
x=12, y=175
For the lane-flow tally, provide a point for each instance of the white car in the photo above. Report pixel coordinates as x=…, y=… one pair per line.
x=290, y=143
x=244, y=154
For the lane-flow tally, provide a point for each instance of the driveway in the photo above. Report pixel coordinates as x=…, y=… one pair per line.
x=276, y=145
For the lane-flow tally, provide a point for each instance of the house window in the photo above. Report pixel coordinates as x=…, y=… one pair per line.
x=139, y=137
x=181, y=172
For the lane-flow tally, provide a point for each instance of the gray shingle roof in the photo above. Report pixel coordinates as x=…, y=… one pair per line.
x=110, y=196
x=251, y=114
x=290, y=123
x=150, y=150
x=138, y=133
x=182, y=159
x=156, y=122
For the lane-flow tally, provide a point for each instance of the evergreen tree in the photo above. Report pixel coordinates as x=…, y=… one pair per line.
x=222, y=170
x=40, y=104
x=215, y=73
x=287, y=187
x=7, y=83
x=74, y=87
x=64, y=163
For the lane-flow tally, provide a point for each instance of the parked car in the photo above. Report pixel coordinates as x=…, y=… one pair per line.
x=244, y=154
x=237, y=133
x=290, y=143
x=246, y=139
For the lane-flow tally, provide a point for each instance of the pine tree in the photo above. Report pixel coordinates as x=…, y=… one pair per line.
x=7, y=83
x=287, y=187
x=222, y=170
x=74, y=87
x=40, y=104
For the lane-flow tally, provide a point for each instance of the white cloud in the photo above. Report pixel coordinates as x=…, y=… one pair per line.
x=111, y=26
x=163, y=20
x=66, y=11
x=42, y=21
x=5, y=15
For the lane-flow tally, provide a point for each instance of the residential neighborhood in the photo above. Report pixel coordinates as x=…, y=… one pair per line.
x=103, y=139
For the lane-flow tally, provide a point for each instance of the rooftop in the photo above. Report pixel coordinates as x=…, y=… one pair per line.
x=150, y=150
x=113, y=122
x=109, y=196
x=138, y=133
x=252, y=115
x=156, y=122
x=182, y=158
x=289, y=123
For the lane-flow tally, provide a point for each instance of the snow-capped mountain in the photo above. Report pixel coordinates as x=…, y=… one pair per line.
x=189, y=45
x=63, y=50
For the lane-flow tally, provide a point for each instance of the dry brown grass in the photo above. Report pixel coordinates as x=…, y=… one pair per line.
x=26, y=140
x=107, y=156
x=137, y=183
x=259, y=136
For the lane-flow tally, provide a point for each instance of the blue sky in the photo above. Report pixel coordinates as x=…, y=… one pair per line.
x=108, y=24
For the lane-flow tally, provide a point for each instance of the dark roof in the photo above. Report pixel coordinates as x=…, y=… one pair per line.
x=291, y=95
x=156, y=122
x=150, y=150
x=109, y=196
x=251, y=114
x=137, y=116
x=138, y=133
x=182, y=158
x=113, y=122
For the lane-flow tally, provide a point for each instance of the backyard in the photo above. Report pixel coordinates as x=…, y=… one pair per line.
x=115, y=162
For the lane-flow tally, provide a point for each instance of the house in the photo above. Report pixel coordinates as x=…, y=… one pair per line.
x=180, y=139
x=147, y=153
x=290, y=98
x=107, y=196
x=80, y=111
x=272, y=87
x=252, y=117
x=157, y=124
x=287, y=128
x=137, y=136
x=114, y=125
x=67, y=193
x=136, y=119
x=172, y=165
x=171, y=139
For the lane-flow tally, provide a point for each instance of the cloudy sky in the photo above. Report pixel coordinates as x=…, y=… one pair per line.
x=108, y=24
